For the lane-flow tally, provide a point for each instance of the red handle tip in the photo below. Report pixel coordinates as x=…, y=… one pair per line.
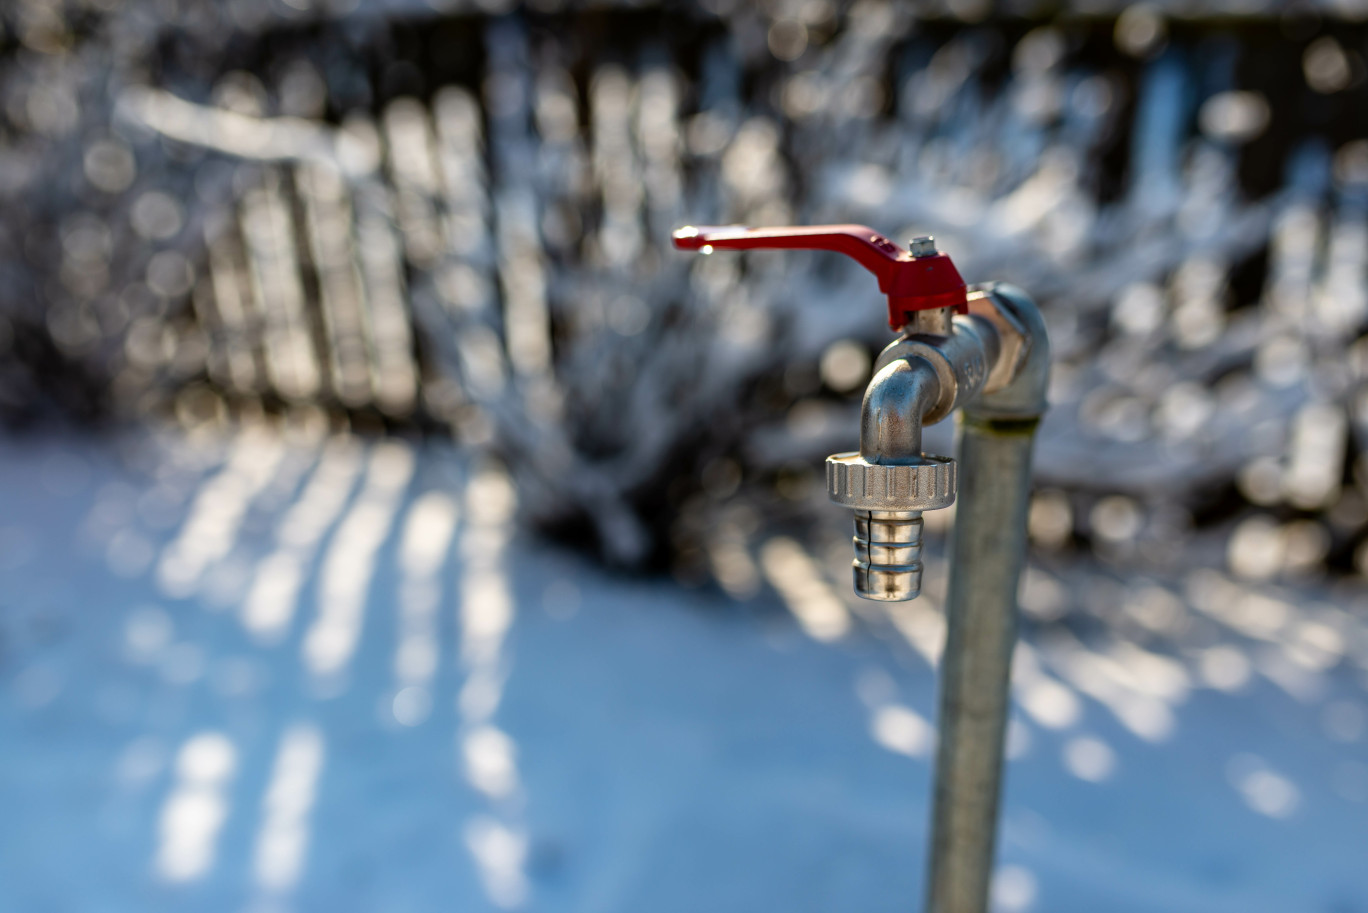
x=687, y=238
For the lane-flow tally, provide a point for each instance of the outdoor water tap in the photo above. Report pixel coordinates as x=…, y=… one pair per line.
x=981, y=350
x=955, y=343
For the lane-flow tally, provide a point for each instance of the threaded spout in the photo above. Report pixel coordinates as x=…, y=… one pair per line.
x=887, y=566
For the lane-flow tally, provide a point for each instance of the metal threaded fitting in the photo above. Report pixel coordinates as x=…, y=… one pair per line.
x=887, y=566
x=927, y=484
x=888, y=499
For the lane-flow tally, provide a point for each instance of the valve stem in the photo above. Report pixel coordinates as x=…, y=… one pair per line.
x=923, y=246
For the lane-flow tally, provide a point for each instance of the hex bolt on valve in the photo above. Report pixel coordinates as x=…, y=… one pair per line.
x=981, y=350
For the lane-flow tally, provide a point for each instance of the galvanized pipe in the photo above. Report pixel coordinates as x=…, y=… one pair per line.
x=987, y=555
x=988, y=551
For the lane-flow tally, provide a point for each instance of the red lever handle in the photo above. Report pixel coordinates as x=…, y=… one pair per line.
x=912, y=283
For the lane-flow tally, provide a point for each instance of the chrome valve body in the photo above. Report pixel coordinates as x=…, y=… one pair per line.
x=941, y=362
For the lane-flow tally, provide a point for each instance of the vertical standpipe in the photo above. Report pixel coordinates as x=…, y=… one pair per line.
x=987, y=554
x=988, y=551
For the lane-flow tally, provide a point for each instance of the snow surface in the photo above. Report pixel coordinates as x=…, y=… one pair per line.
x=445, y=715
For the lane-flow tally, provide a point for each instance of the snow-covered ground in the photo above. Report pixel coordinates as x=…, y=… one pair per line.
x=305, y=672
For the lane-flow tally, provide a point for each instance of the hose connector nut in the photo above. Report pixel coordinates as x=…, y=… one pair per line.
x=927, y=484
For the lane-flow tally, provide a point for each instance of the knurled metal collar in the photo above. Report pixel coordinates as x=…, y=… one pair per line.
x=857, y=483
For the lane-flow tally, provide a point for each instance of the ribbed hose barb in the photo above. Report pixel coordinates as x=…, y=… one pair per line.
x=888, y=565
